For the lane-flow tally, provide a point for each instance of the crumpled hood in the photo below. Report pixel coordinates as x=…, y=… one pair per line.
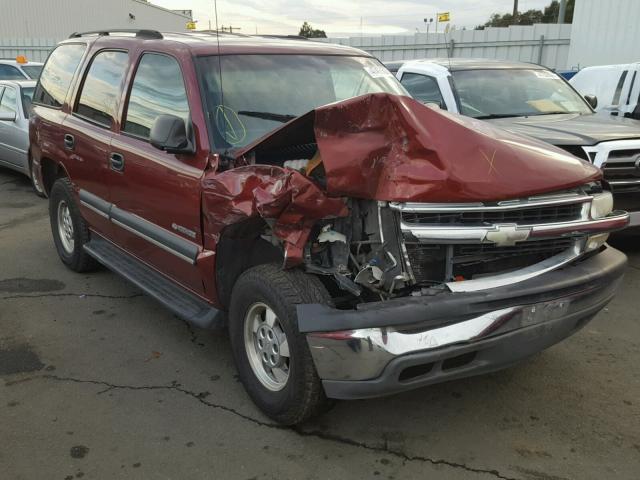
x=572, y=129
x=387, y=147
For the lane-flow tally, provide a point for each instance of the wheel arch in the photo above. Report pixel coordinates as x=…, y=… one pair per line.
x=241, y=247
x=50, y=172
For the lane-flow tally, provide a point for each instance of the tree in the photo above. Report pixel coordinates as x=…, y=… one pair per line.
x=550, y=15
x=308, y=31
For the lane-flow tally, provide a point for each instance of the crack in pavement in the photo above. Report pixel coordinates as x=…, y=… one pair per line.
x=329, y=437
x=79, y=295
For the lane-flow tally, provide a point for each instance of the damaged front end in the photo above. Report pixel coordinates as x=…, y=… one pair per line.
x=436, y=235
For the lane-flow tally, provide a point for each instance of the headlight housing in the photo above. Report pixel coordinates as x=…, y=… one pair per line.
x=601, y=205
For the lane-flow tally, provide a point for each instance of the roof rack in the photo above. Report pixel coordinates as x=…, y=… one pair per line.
x=288, y=37
x=150, y=34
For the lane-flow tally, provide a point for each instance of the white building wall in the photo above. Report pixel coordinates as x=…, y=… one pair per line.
x=33, y=27
x=605, y=32
x=547, y=44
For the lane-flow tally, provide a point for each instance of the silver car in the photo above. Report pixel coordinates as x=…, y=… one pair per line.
x=15, y=107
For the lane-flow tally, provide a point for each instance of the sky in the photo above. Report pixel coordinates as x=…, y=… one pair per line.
x=340, y=18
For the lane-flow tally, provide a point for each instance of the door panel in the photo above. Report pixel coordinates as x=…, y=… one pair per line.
x=156, y=201
x=13, y=137
x=156, y=194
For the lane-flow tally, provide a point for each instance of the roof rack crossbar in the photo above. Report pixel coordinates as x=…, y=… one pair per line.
x=141, y=33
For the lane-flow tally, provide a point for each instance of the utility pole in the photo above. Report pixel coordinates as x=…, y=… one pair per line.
x=563, y=11
x=515, y=12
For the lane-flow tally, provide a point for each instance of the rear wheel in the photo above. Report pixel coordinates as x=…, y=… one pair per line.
x=70, y=231
x=271, y=355
x=35, y=183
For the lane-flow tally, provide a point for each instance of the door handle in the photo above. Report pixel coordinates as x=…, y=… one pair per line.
x=117, y=161
x=69, y=141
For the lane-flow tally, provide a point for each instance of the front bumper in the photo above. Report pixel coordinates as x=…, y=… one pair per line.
x=387, y=347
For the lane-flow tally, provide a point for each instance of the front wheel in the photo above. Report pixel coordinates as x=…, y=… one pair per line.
x=271, y=355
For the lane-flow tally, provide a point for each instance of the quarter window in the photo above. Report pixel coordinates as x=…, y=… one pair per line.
x=158, y=88
x=8, y=102
x=101, y=89
x=57, y=75
x=423, y=88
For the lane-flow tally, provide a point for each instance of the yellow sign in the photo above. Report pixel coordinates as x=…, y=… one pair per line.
x=443, y=17
x=191, y=25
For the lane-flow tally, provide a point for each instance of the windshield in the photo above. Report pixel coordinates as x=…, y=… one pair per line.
x=33, y=71
x=261, y=92
x=515, y=93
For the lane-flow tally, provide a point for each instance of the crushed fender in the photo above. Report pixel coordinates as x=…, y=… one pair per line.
x=292, y=200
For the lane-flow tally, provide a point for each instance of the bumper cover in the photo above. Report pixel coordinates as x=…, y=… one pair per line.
x=398, y=345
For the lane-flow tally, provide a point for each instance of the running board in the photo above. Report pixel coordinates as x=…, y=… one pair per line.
x=180, y=301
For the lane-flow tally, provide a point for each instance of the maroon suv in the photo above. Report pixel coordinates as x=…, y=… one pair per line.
x=354, y=241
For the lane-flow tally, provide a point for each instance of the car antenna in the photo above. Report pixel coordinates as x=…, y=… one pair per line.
x=225, y=154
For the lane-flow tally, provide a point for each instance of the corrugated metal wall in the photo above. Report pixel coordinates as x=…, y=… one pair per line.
x=547, y=44
x=33, y=27
x=605, y=32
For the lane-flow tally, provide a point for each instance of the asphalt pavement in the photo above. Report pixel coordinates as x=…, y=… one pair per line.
x=98, y=381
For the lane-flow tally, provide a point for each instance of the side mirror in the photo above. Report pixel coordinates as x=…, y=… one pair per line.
x=592, y=100
x=434, y=103
x=7, y=116
x=169, y=133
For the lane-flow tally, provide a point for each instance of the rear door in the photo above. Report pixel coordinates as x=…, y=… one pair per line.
x=13, y=138
x=87, y=134
x=156, y=194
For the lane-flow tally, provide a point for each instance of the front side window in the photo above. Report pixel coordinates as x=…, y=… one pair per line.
x=9, y=72
x=618, y=92
x=57, y=75
x=261, y=92
x=101, y=88
x=496, y=93
x=423, y=88
x=8, y=101
x=158, y=88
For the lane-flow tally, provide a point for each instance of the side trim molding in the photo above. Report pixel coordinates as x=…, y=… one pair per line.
x=152, y=233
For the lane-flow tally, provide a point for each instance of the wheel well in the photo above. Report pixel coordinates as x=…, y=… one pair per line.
x=240, y=248
x=51, y=171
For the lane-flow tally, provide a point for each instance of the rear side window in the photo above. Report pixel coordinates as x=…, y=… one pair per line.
x=8, y=101
x=158, y=88
x=57, y=75
x=8, y=72
x=101, y=88
x=616, y=95
x=423, y=88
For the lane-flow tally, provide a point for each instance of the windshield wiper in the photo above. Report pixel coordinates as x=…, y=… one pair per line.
x=500, y=115
x=276, y=117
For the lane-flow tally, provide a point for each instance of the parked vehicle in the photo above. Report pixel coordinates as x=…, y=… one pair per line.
x=355, y=242
x=615, y=86
x=15, y=108
x=19, y=69
x=529, y=99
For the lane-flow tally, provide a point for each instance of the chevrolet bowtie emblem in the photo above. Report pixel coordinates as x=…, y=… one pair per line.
x=507, y=235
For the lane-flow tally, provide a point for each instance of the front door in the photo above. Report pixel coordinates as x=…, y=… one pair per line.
x=156, y=195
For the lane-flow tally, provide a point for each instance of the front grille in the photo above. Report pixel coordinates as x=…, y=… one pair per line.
x=544, y=214
x=428, y=262
x=621, y=165
x=471, y=260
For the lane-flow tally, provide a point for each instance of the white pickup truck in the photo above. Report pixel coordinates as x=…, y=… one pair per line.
x=616, y=86
x=532, y=100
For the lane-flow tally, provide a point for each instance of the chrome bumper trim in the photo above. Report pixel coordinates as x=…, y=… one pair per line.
x=634, y=219
x=445, y=234
x=363, y=354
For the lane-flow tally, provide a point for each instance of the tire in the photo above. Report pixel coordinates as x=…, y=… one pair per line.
x=70, y=231
x=302, y=395
x=35, y=183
